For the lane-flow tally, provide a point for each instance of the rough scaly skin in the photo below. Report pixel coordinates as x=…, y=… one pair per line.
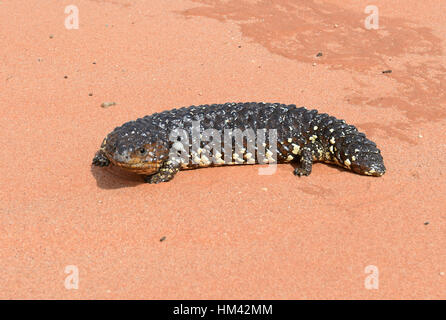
x=303, y=136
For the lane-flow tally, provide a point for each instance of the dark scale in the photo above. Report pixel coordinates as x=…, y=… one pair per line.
x=303, y=136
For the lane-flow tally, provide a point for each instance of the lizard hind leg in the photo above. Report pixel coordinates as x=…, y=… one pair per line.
x=305, y=164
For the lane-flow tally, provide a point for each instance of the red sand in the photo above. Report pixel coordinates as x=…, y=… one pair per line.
x=230, y=233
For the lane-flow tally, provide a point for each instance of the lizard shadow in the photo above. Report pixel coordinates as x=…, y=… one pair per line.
x=296, y=165
x=114, y=178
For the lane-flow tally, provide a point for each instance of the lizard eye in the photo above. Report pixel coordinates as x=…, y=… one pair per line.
x=142, y=151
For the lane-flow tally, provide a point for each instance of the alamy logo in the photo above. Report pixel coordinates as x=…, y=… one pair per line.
x=239, y=147
x=72, y=20
x=72, y=280
x=372, y=280
x=372, y=20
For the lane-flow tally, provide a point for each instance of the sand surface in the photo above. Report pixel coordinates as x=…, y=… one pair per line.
x=228, y=232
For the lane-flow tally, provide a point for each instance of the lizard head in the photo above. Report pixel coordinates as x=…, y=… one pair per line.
x=132, y=149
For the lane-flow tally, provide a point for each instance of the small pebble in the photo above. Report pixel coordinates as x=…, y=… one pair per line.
x=90, y=94
x=336, y=25
x=420, y=136
x=314, y=64
x=162, y=239
x=94, y=62
x=265, y=189
x=51, y=36
x=65, y=77
x=387, y=71
x=107, y=104
x=426, y=223
x=319, y=54
x=441, y=273
x=239, y=46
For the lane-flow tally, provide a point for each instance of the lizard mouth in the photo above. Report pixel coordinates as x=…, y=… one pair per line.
x=137, y=165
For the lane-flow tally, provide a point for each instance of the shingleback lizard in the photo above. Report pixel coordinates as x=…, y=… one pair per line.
x=303, y=136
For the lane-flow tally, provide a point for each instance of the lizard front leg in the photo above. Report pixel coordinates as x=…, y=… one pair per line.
x=166, y=172
x=100, y=159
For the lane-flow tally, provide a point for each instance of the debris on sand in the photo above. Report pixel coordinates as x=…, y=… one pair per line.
x=107, y=104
